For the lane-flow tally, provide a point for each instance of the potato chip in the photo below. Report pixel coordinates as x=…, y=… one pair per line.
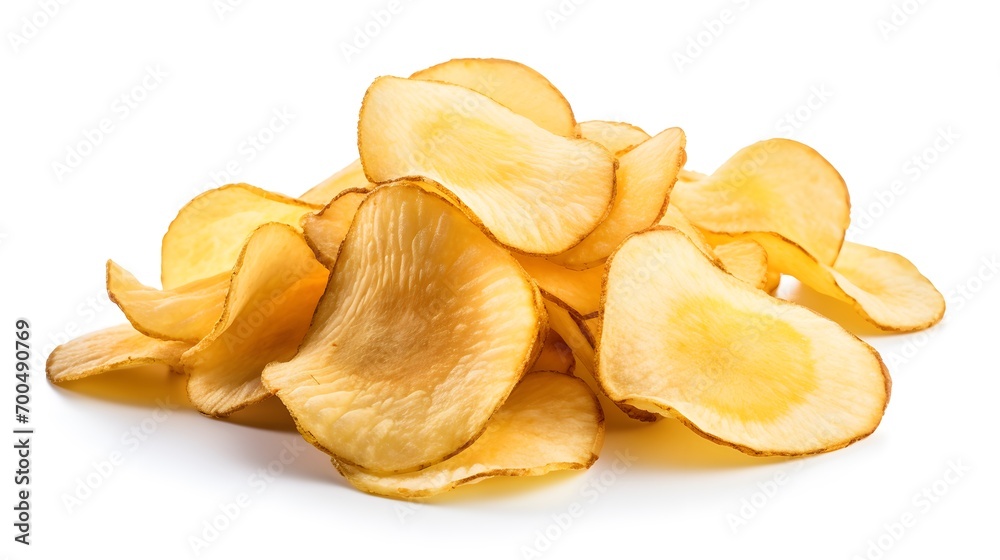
x=579, y=289
x=646, y=175
x=534, y=191
x=275, y=286
x=616, y=137
x=550, y=422
x=185, y=313
x=883, y=287
x=556, y=355
x=425, y=328
x=208, y=234
x=511, y=84
x=745, y=259
x=740, y=367
x=777, y=185
x=111, y=349
x=326, y=229
x=350, y=178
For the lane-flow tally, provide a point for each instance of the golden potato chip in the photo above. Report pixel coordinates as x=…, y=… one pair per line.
x=579, y=289
x=883, y=287
x=569, y=325
x=208, y=234
x=740, y=367
x=534, y=191
x=425, y=327
x=550, y=422
x=745, y=259
x=511, y=84
x=273, y=292
x=674, y=218
x=616, y=137
x=777, y=185
x=326, y=229
x=110, y=349
x=350, y=178
x=185, y=313
x=646, y=174
x=556, y=355
x=771, y=280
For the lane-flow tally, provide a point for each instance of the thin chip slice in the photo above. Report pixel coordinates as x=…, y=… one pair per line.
x=645, y=177
x=273, y=292
x=208, y=234
x=556, y=355
x=534, y=191
x=425, y=328
x=186, y=313
x=883, y=287
x=579, y=289
x=675, y=218
x=777, y=185
x=110, y=349
x=616, y=137
x=569, y=325
x=350, y=178
x=550, y=422
x=772, y=280
x=511, y=84
x=740, y=367
x=326, y=229
x=745, y=259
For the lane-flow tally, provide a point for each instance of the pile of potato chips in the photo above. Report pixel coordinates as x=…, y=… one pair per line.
x=422, y=312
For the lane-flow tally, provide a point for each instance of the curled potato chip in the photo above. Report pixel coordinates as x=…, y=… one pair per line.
x=745, y=259
x=556, y=355
x=740, y=367
x=570, y=326
x=185, y=313
x=273, y=291
x=511, y=84
x=208, y=234
x=616, y=137
x=550, y=422
x=674, y=218
x=883, y=287
x=425, y=328
x=350, y=178
x=110, y=349
x=326, y=229
x=534, y=191
x=777, y=185
x=646, y=174
x=579, y=289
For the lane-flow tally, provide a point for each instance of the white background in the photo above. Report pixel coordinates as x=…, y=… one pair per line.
x=887, y=98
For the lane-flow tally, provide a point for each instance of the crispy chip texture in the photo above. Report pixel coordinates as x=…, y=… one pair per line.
x=425, y=328
x=511, y=84
x=275, y=286
x=185, y=313
x=616, y=137
x=326, y=229
x=550, y=422
x=777, y=185
x=110, y=349
x=534, y=191
x=742, y=368
x=208, y=234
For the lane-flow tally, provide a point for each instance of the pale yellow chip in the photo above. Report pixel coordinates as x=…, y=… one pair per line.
x=742, y=368
x=646, y=175
x=511, y=84
x=777, y=185
x=425, y=328
x=350, y=178
x=674, y=218
x=534, y=191
x=745, y=259
x=570, y=327
x=550, y=422
x=185, y=313
x=579, y=289
x=208, y=234
x=616, y=137
x=326, y=229
x=275, y=286
x=883, y=287
x=111, y=349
